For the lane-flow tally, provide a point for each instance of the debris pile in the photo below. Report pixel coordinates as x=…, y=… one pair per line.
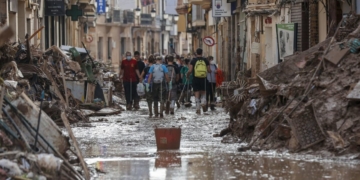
x=311, y=100
x=40, y=90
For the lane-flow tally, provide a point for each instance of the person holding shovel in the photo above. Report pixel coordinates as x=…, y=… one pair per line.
x=158, y=78
x=129, y=74
x=145, y=76
x=174, y=75
x=211, y=84
x=187, y=83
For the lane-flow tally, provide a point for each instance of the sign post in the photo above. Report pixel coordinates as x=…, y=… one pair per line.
x=220, y=8
x=101, y=6
x=54, y=8
x=209, y=41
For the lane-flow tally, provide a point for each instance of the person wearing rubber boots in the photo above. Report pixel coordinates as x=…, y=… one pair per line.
x=211, y=84
x=174, y=74
x=158, y=79
x=187, y=82
x=129, y=74
x=145, y=76
x=200, y=67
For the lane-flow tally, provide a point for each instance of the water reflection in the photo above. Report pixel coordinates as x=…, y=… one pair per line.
x=179, y=166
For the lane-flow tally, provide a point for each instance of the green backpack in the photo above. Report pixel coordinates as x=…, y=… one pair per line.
x=200, y=69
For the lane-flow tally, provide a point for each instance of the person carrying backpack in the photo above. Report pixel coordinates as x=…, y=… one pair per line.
x=158, y=78
x=144, y=79
x=211, y=84
x=174, y=75
x=200, y=67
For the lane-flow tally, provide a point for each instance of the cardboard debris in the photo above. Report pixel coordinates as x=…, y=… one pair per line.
x=355, y=93
x=337, y=54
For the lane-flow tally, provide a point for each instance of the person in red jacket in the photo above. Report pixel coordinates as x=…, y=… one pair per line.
x=129, y=74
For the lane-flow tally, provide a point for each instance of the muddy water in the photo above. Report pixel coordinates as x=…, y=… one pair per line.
x=124, y=147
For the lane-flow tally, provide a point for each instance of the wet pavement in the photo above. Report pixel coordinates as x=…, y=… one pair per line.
x=124, y=147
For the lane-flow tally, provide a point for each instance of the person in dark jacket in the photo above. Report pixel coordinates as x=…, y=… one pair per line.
x=140, y=66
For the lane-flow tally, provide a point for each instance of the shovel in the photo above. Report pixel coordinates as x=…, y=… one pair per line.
x=187, y=104
x=167, y=108
x=33, y=146
x=182, y=92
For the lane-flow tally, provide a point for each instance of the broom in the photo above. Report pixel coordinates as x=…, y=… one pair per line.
x=167, y=108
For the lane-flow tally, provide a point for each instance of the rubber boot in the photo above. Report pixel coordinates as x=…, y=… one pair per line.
x=212, y=106
x=198, y=106
x=136, y=104
x=205, y=107
x=128, y=107
x=161, y=109
x=150, y=109
x=156, y=109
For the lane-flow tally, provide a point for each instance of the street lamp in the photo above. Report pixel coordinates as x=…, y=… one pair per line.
x=153, y=12
x=176, y=18
x=170, y=18
x=166, y=16
x=137, y=11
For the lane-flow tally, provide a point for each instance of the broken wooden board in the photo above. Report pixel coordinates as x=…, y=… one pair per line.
x=90, y=93
x=354, y=93
x=102, y=112
x=336, y=54
x=76, y=145
x=48, y=129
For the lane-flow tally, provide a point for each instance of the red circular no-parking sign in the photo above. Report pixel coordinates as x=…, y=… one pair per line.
x=209, y=41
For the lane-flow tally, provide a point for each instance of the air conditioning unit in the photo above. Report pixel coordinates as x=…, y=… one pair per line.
x=118, y=16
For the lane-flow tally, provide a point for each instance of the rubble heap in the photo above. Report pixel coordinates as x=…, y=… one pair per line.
x=35, y=100
x=309, y=100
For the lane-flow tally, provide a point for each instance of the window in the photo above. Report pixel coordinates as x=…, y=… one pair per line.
x=138, y=44
x=100, y=48
x=122, y=44
x=28, y=27
x=152, y=46
x=199, y=13
x=109, y=53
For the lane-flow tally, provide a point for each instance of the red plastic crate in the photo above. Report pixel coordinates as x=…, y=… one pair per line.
x=168, y=138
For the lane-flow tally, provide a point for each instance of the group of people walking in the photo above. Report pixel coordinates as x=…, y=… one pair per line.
x=168, y=83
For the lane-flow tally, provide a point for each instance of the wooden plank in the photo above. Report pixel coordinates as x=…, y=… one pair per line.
x=48, y=128
x=34, y=34
x=64, y=83
x=76, y=145
x=90, y=93
x=5, y=34
x=54, y=85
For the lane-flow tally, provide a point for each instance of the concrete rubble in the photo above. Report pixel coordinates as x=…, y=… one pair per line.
x=41, y=91
x=311, y=100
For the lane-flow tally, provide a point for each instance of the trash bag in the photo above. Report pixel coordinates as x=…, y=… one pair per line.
x=140, y=89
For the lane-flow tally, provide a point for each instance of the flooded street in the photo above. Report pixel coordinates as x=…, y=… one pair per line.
x=124, y=147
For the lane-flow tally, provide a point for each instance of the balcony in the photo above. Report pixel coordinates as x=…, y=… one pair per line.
x=205, y=4
x=181, y=8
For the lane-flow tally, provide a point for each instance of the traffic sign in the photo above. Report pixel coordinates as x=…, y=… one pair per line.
x=209, y=41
